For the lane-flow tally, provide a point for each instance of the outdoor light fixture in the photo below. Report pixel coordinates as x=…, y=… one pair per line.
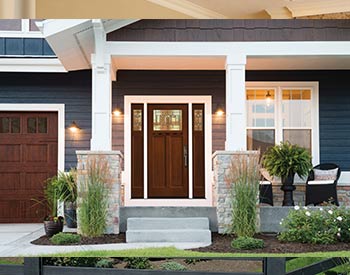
x=117, y=112
x=220, y=111
x=268, y=98
x=74, y=127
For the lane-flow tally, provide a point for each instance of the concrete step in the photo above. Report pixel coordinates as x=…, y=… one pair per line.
x=167, y=223
x=173, y=236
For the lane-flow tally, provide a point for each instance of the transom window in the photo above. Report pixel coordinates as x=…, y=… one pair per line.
x=282, y=112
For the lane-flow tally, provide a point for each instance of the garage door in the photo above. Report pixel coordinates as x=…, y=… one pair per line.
x=28, y=156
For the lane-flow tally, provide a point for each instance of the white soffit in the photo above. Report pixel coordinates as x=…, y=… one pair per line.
x=218, y=63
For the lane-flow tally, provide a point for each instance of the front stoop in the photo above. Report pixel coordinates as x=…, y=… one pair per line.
x=174, y=230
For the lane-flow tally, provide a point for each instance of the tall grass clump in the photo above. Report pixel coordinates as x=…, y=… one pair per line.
x=243, y=177
x=93, y=205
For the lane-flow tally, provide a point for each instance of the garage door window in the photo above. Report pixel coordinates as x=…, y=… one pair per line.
x=10, y=125
x=37, y=125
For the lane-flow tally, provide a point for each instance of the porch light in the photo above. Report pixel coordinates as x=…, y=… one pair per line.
x=117, y=112
x=74, y=127
x=268, y=99
x=219, y=112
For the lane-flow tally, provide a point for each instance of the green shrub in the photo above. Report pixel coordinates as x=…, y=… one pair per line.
x=71, y=261
x=65, y=238
x=173, y=266
x=243, y=177
x=138, y=263
x=323, y=226
x=104, y=263
x=93, y=206
x=247, y=243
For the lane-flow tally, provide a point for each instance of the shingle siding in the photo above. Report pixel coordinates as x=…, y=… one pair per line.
x=37, y=47
x=72, y=89
x=234, y=30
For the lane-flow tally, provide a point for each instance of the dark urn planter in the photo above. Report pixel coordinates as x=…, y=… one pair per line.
x=53, y=227
x=70, y=214
x=288, y=188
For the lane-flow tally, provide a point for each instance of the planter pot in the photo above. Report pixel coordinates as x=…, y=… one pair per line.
x=70, y=215
x=288, y=188
x=53, y=227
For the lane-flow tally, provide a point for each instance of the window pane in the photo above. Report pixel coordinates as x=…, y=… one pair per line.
x=167, y=120
x=15, y=125
x=198, y=120
x=137, y=120
x=42, y=125
x=299, y=137
x=260, y=108
x=31, y=127
x=260, y=139
x=10, y=24
x=4, y=125
x=296, y=108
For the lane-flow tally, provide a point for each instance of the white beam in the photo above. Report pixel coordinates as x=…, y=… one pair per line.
x=31, y=65
x=236, y=138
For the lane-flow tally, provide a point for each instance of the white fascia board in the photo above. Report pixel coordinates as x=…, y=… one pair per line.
x=228, y=48
x=46, y=65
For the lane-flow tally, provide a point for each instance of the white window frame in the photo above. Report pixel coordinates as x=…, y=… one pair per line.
x=145, y=100
x=59, y=108
x=278, y=87
x=25, y=32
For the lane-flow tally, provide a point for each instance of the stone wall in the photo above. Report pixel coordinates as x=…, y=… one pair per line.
x=114, y=160
x=221, y=189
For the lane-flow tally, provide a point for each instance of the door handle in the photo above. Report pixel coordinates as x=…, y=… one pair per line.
x=185, y=155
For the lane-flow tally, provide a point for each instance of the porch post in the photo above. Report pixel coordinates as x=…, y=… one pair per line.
x=235, y=103
x=101, y=93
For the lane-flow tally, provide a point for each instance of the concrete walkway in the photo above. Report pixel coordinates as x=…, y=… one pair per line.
x=15, y=242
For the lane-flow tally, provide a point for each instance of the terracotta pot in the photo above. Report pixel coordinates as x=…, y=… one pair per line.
x=53, y=227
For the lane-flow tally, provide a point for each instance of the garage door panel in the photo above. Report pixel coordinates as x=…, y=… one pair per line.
x=28, y=157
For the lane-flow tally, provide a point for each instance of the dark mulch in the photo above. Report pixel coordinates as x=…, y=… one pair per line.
x=105, y=239
x=222, y=243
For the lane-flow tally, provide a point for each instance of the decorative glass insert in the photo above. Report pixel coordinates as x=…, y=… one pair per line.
x=261, y=108
x=198, y=120
x=42, y=125
x=137, y=120
x=10, y=125
x=31, y=125
x=4, y=125
x=167, y=120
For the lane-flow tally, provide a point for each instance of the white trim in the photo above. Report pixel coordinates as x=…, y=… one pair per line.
x=190, y=152
x=25, y=31
x=31, y=65
x=278, y=86
x=128, y=100
x=59, y=108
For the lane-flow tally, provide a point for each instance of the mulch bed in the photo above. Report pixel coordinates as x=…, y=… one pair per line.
x=105, y=239
x=222, y=243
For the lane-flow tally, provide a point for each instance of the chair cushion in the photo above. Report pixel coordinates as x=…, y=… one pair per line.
x=264, y=182
x=319, y=182
x=325, y=174
x=266, y=175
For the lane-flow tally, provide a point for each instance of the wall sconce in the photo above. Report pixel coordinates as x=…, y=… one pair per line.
x=268, y=97
x=117, y=112
x=220, y=110
x=74, y=127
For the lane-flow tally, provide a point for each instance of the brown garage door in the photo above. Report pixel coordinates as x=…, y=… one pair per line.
x=28, y=156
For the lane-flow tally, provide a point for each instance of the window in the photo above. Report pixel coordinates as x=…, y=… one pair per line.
x=282, y=111
x=20, y=28
x=37, y=125
x=10, y=125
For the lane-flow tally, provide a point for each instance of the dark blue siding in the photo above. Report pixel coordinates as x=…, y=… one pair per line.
x=25, y=46
x=334, y=109
x=72, y=89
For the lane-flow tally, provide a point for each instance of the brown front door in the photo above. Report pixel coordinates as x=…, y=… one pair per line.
x=28, y=156
x=167, y=150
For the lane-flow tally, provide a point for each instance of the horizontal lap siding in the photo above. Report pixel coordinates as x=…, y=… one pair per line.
x=72, y=89
x=37, y=47
x=234, y=30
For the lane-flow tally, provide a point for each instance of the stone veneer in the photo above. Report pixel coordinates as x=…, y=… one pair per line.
x=114, y=160
x=222, y=199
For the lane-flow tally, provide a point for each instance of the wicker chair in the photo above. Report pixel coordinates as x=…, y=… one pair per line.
x=318, y=192
x=265, y=188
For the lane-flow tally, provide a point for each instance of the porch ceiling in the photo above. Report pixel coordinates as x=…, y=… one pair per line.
x=218, y=63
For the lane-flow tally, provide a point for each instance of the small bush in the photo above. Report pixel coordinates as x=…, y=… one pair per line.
x=324, y=226
x=247, y=243
x=71, y=261
x=65, y=238
x=104, y=263
x=138, y=263
x=193, y=261
x=173, y=266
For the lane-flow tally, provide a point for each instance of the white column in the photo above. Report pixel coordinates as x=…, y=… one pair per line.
x=101, y=105
x=235, y=103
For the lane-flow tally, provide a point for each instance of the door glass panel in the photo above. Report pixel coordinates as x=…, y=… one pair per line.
x=42, y=125
x=260, y=139
x=137, y=120
x=31, y=125
x=15, y=125
x=260, y=108
x=4, y=125
x=301, y=137
x=198, y=120
x=167, y=120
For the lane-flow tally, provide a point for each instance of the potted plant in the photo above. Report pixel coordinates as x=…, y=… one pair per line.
x=284, y=161
x=67, y=193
